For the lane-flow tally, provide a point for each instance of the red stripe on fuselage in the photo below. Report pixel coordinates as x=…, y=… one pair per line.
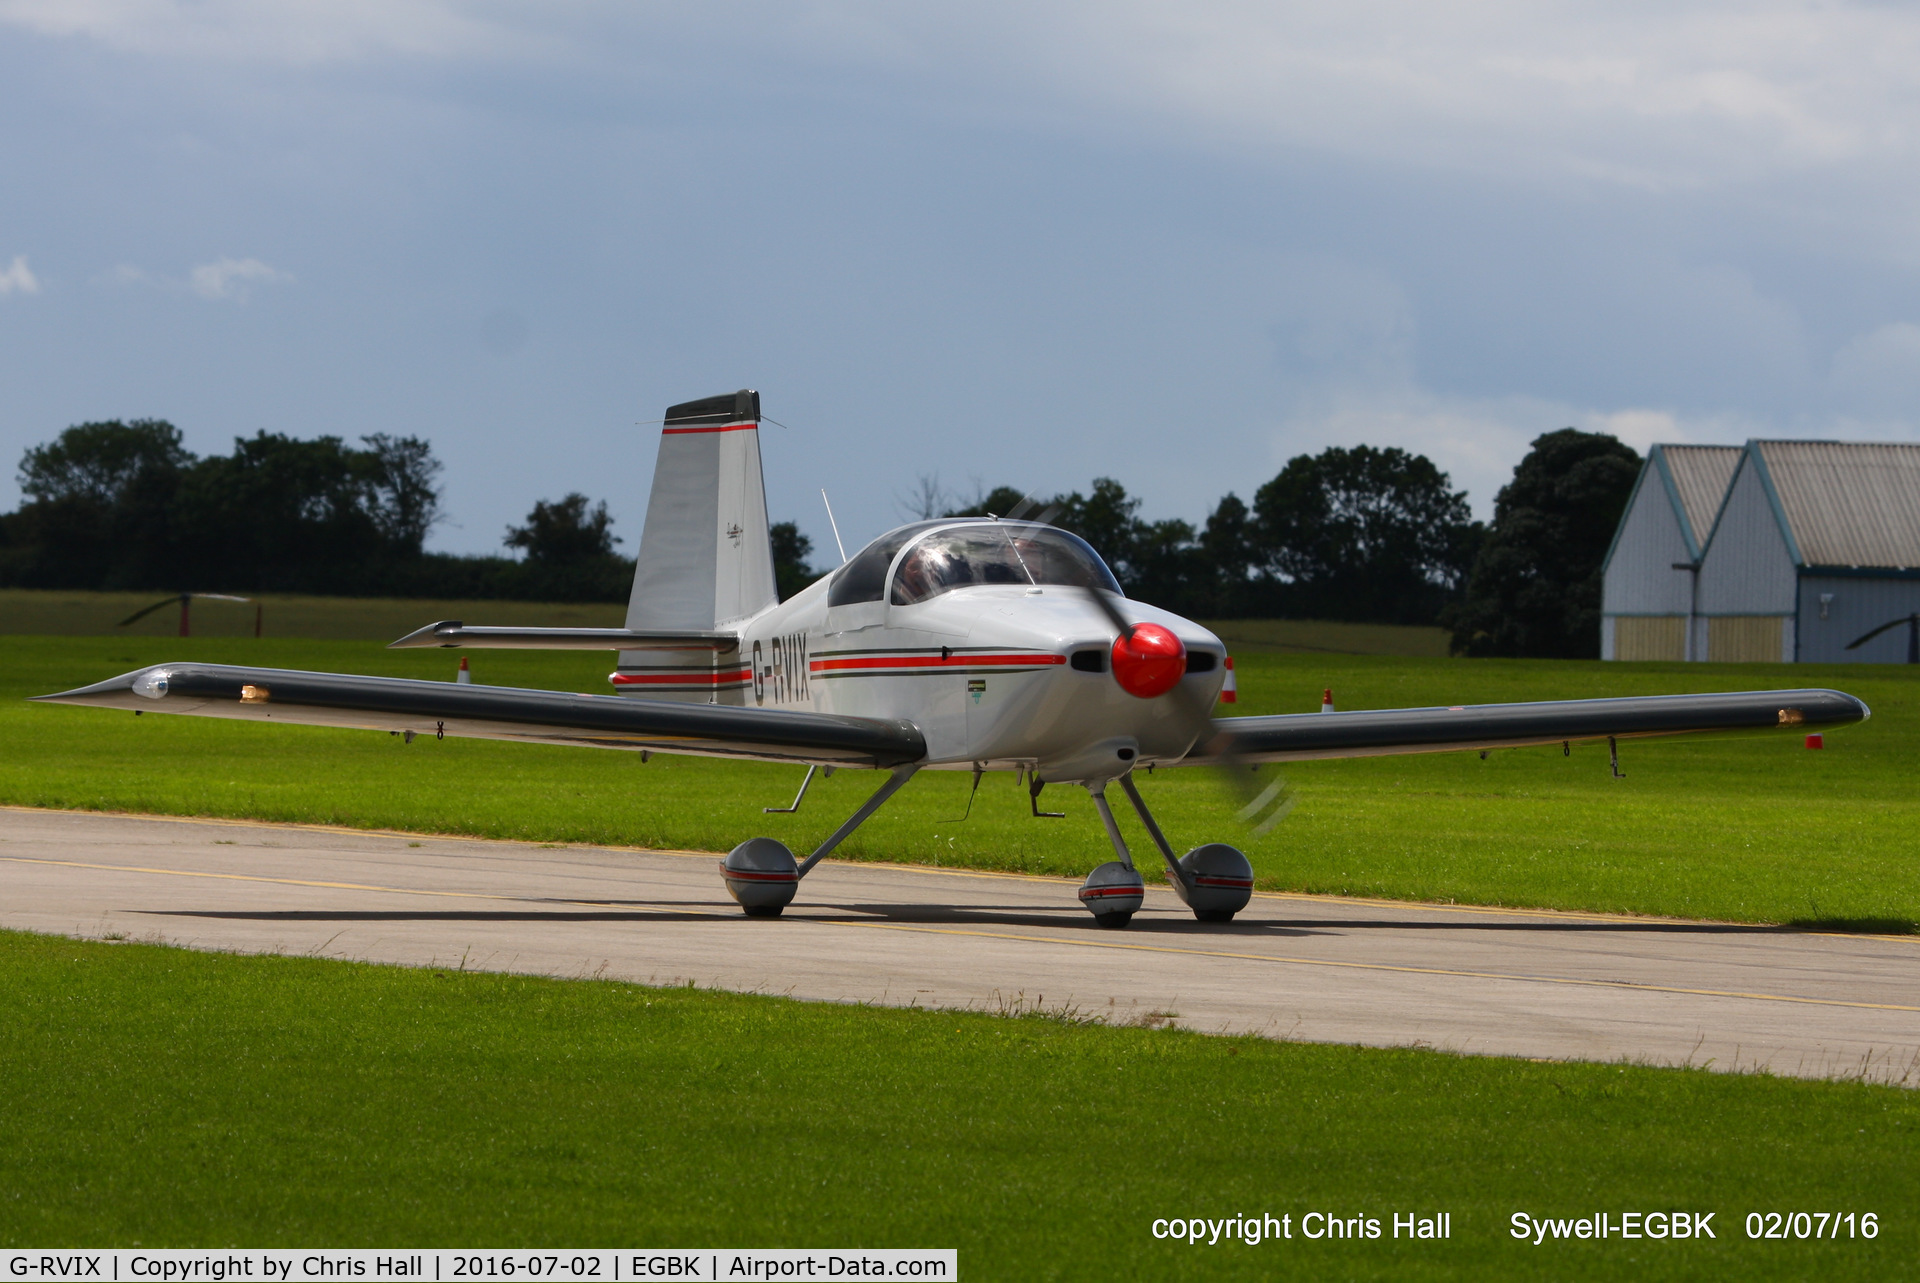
x=682, y=679
x=935, y=661
x=730, y=427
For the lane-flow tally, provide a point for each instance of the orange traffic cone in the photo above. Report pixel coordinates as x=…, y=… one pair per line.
x=1326, y=700
x=1229, y=694
x=466, y=676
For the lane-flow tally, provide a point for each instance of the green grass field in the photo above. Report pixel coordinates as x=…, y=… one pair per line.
x=1315, y=636
x=1753, y=829
x=33, y=611
x=163, y=1097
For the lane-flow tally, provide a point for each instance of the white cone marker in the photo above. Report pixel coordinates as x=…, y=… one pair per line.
x=1229, y=693
x=466, y=676
x=1326, y=700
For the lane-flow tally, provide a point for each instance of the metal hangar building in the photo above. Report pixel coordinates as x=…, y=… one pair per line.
x=1775, y=551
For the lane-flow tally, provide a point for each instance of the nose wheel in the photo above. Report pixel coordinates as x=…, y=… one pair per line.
x=1112, y=893
x=1215, y=880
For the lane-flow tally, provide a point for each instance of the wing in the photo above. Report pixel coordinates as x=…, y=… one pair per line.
x=504, y=712
x=1378, y=732
x=452, y=633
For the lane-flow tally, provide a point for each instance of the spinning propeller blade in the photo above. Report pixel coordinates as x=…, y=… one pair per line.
x=174, y=600
x=1864, y=638
x=1263, y=808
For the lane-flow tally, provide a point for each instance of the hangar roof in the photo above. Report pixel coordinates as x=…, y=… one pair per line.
x=1845, y=503
x=1699, y=475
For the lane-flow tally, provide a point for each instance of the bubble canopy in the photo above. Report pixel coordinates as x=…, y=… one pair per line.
x=940, y=557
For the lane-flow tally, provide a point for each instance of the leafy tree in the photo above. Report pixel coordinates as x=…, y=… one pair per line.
x=1535, y=586
x=314, y=516
x=1001, y=501
x=565, y=532
x=1365, y=534
x=791, y=549
x=100, y=463
x=1106, y=519
x=98, y=511
x=1229, y=557
x=1164, y=565
x=406, y=503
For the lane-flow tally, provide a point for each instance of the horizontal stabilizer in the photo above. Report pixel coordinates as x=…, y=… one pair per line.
x=1379, y=732
x=504, y=712
x=450, y=633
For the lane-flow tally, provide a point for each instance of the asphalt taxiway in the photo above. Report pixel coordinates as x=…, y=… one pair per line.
x=1489, y=981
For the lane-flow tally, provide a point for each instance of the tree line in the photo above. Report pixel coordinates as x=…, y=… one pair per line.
x=124, y=505
x=1353, y=533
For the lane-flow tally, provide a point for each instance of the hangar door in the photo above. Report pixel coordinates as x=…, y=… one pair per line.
x=1650, y=637
x=1745, y=639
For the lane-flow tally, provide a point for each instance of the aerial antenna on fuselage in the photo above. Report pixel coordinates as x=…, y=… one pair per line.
x=836, y=525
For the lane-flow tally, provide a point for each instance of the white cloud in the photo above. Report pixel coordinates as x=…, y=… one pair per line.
x=233, y=278
x=19, y=278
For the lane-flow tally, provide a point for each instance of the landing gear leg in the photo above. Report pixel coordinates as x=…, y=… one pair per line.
x=901, y=774
x=1215, y=880
x=1113, y=891
x=761, y=874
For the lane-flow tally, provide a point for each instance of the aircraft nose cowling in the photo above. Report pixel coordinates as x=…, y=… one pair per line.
x=1149, y=661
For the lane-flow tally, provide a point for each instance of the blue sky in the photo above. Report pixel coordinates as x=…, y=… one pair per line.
x=999, y=243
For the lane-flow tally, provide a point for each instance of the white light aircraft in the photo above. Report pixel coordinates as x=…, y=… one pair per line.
x=971, y=644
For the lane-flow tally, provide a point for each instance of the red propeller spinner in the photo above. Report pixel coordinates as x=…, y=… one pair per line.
x=1149, y=661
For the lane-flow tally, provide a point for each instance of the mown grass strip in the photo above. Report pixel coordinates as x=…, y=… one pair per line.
x=165, y=1097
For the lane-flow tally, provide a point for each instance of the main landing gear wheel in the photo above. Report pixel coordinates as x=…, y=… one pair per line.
x=762, y=875
x=1215, y=880
x=1113, y=893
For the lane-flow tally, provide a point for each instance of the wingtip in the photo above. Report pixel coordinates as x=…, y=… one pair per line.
x=89, y=694
x=424, y=637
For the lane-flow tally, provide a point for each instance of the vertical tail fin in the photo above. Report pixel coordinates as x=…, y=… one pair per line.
x=705, y=559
